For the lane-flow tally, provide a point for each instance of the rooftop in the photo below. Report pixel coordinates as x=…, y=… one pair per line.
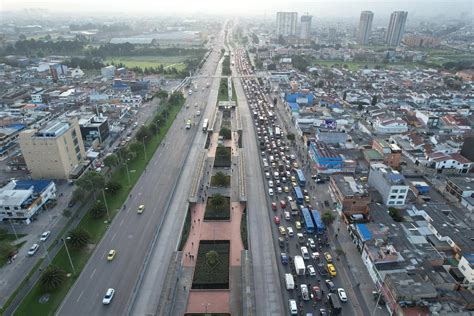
x=465, y=183
x=348, y=185
x=53, y=129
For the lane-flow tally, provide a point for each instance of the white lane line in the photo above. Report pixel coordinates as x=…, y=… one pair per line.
x=113, y=237
x=79, y=297
x=121, y=222
x=92, y=274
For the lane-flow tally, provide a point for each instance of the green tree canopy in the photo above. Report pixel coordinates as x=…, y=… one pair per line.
x=111, y=160
x=328, y=218
x=52, y=278
x=79, y=238
x=92, y=180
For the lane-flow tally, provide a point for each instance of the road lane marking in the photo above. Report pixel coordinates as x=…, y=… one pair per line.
x=121, y=222
x=79, y=297
x=113, y=237
x=92, y=274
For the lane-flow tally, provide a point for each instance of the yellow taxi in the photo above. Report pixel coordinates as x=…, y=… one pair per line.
x=293, y=179
x=141, y=208
x=282, y=230
x=294, y=184
x=298, y=225
x=295, y=165
x=331, y=269
x=286, y=189
x=328, y=257
x=306, y=199
x=111, y=255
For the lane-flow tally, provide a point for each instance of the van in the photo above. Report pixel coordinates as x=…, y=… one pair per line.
x=357, y=217
x=293, y=307
x=305, y=253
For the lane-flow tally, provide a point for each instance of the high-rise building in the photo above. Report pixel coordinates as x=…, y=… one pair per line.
x=305, y=30
x=365, y=27
x=286, y=23
x=55, y=151
x=332, y=35
x=396, y=28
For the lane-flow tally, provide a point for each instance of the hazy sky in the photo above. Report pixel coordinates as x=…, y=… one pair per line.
x=330, y=8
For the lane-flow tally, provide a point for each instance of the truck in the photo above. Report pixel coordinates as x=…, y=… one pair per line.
x=289, y=281
x=334, y=304
x=293, y=208
x=188, y=124
x=299, y=265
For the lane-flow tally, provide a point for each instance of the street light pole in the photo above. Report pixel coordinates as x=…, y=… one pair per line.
x=68, y=255
x=128, y=174
x=93, y=189
x=47, y=253
x=14, y=230
x=144, y=148
x=105, y=202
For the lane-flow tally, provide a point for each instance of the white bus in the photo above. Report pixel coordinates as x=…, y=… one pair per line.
x=277, y=132
x=205, y=125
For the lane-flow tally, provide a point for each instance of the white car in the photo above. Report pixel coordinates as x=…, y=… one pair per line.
x=270, y=192
x=304, y=292
x=342, y=294
x=198, y=113
x=109, y=295
x=287, y=215
x=33, y=249
x=270, y=183
x=45, y=235
x=267, y=175
x=311, y=270
x=290, y=231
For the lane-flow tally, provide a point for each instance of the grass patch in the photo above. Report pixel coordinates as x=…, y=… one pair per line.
x=243, y=230
x=216, y=182
x=11, y=237
x=96, y=227
x=215, y=276
x=223, y=158
x=217, y=213
x=177, y=62
x=4, y=260
x=223, y=90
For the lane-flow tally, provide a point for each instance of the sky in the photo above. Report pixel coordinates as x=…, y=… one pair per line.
x=329, y=8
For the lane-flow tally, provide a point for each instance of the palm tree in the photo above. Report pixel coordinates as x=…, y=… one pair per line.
x=52, y=278
x=98, y=210
x=79, y=238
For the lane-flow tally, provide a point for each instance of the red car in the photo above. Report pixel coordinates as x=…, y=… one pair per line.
x=282, y=204
x=276, y=219
x=316, y=293
x=274, y=206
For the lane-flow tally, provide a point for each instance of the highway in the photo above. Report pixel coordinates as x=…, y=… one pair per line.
x=131, y=234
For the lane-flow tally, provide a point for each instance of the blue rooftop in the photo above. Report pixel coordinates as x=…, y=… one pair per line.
x=38, y=185
x=17, y=126
x=294, y=106
x=362, y=228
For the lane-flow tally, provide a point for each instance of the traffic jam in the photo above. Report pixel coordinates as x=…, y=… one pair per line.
x=306, y=263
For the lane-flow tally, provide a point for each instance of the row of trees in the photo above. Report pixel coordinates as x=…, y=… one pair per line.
x=226, y=66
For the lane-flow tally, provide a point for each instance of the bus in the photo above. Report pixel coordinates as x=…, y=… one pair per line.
x=308, y=221
x=299, y=195
x=318, y=223
x=277, y=132
x=300, y=177
x=204, y=125
x=334, y=303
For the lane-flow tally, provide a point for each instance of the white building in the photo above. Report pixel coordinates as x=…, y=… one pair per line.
x=466, y=267
x=305, y=30
x=441, y=161
x=286, y=23
x=396, y=28
x=108, y=72
x=390, y=126
x=391, y=184
x=365, y=27
x=21, y=200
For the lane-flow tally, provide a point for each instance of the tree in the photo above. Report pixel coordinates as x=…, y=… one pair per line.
x=222, y=154
x=290, y=137
x=328, y=218
x=98, y=210
x=226, y=133
x=374, y=100
x=218, y=202
x=52, y=278
x=360, y=107
x=78, y=194
x=113, y=186
x=111, y=160
x=136, y=147
x=91, y=181
x=344, y=96
x=79, y=238
x=212, y=257
x=220, y=179
x=143, y=133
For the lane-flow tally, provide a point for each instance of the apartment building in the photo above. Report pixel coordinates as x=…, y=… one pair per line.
x=391, y=153
x=54, y=151
x=351, y=196
x=391, y=184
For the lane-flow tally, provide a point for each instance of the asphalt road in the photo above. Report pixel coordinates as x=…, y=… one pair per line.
x=265, y=273
x=292, y=246
x=130, y=234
